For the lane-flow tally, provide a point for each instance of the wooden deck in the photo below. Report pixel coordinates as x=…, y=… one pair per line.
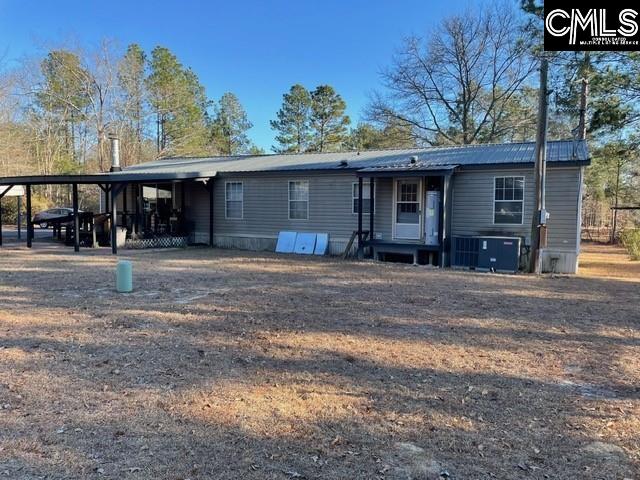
x=381, y=248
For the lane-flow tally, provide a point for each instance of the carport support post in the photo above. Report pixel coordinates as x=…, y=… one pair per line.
x=134, y=222
x=107, y=189
x=360, y=245
x=29, y=223
x=76, y=220
x=20, y=218
x=124, y=208
x=114, y=218
x=210, y=188
x=140, y=205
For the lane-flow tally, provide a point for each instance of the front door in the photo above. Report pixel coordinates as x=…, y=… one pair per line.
x=407, y=209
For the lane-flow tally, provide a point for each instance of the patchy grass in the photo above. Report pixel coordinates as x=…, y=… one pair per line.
x=228, y=365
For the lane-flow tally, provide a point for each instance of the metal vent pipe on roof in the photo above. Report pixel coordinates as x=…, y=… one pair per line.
x=115, y=153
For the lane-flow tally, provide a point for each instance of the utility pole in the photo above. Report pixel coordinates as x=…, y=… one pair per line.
x=539, y=220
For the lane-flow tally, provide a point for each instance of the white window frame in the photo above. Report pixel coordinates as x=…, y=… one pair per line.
x=394, y=210
x=493, y=193
x=290, y=200
x=366, y=187
x=226, y=200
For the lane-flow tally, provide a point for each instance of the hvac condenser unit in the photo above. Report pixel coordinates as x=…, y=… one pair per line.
x=498, y=254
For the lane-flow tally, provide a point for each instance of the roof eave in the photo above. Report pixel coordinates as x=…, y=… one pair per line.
x=104, y=178
x=553, y=163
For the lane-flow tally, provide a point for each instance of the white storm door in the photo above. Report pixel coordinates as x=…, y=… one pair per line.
x=407, y=209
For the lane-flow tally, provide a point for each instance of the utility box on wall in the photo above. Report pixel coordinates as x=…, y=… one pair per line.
x=500, y=254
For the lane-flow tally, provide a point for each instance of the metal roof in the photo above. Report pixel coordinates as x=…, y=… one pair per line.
x=405, y=169
x=434, y=158
x=485, y=154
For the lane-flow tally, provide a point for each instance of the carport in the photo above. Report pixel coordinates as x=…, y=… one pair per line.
x=112, y=185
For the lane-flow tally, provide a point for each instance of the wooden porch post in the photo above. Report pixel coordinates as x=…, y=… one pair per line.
x=371, y=206
x=360, y=243
x=445, y=221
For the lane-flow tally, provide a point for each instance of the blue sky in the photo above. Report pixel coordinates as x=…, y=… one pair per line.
x=255, y=49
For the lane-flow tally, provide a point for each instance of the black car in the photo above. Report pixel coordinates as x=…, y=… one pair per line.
x=54, y=215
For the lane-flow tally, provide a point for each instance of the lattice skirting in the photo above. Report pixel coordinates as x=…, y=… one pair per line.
x=158, y=242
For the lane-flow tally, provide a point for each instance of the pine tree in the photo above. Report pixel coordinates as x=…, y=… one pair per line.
x=370, y=137
x=179, y=101
x=131, y=74
x=230, y=125
x=328, y=120
x=64, y=92
x=293, y=123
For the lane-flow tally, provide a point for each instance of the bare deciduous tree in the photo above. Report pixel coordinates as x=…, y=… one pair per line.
x=457, y=85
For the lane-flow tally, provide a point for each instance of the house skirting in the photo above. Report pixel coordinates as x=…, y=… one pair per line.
x=566, y=261
x=262, y=243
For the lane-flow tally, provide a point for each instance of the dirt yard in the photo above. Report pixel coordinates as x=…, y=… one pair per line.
x=233, y=365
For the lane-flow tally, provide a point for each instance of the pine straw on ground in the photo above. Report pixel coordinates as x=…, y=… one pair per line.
x=229, y=365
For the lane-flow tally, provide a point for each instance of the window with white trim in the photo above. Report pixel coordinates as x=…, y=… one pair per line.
x=234, y=200
x=407, y=202
x=366, y=198
x=508, y=200
x=298, y=200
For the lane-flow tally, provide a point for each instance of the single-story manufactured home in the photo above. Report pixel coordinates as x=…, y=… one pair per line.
x=421, y=202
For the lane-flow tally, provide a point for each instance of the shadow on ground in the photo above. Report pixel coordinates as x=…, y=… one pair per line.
x=224, y=364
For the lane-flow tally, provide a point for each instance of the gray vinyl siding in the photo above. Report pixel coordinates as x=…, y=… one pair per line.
x=197, y=210
x=563, y=188
x=384, y=209
x=473, y=192
x=266, y=206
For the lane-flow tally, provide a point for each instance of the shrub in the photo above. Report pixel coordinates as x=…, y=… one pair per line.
x=631, y=240
x=9, y=210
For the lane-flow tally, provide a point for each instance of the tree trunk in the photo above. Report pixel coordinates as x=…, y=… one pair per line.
x=615, y=210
